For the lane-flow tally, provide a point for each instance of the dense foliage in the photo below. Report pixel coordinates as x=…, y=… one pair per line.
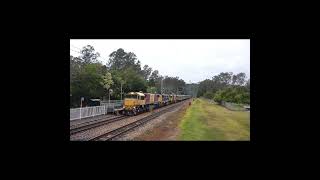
x=226, y=87
x=233, y=94
x=89, y=78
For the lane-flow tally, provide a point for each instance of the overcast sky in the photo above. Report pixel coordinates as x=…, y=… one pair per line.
x=190, y=60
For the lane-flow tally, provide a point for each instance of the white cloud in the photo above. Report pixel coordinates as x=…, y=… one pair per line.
x=191, y=60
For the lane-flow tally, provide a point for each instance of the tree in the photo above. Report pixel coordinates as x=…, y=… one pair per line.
x=116, y=60
x=173, y=84
x=208, y=95
x=120, y=60
x=226, y=87
x=87, y=83
x=152, y=90
x=89, y=55
x=248, y=85
x=223, y=79
x=206, y=85
x=146, y=72
x=239, y=79
x=154, y=77
x=85, y=79
x=237, y=94
x=234, y=79
x=126, y=71
x=137, y=68
x=130, y=79
x=106, y=81
x=119, y=79
x=75, y=68
x=134, y=82
x=218, y=96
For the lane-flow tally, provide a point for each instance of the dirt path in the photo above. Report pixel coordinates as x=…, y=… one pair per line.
x=167, y=129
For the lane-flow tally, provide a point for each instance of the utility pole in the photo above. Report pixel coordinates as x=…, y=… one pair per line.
x=110, y=91
x=121, y=91
x=82, y=99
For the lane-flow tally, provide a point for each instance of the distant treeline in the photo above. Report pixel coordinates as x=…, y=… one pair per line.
x=226, y=87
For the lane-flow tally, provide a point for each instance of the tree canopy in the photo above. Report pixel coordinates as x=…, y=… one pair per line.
x=226, y=86
x=89, y=78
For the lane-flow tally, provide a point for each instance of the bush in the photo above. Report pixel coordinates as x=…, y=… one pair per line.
x=218, y=96
x=233, y=94
x=209, y=95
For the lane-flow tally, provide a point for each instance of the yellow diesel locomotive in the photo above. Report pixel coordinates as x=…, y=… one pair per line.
x=134, y=102
x=137, y=102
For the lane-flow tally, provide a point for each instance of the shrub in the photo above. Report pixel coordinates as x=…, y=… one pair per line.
x=209, y=95
x=232, y=94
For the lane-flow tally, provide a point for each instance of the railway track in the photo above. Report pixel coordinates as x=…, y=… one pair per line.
x=72, y=126
x=111, y=135
x=95, y=123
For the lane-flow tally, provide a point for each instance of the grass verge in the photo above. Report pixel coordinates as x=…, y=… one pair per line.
x=207, y=121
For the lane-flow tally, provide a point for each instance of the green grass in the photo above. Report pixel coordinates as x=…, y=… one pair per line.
x=205, y=121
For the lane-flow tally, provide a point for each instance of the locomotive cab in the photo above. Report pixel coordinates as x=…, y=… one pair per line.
x=134, y=103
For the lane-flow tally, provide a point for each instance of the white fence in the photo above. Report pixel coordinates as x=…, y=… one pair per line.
x=77, y=113
x=85, y=112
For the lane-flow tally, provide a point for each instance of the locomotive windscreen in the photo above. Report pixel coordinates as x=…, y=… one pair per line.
x=131, y=96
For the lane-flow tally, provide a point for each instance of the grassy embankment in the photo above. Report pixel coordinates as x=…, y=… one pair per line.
x=207, y=121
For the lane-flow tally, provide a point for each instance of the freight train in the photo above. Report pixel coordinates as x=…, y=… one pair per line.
x=138, y=102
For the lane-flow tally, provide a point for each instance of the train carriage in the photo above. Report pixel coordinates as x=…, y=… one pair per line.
x=157, y=100
x=173, y=98
x=170, y=99
x=179, y=98
x=160, y=99
x=182, y=97
x=165, y=99
x=137, y=102
x=149, y=101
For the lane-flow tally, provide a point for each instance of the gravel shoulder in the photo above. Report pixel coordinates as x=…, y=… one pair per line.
x=162, y=128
